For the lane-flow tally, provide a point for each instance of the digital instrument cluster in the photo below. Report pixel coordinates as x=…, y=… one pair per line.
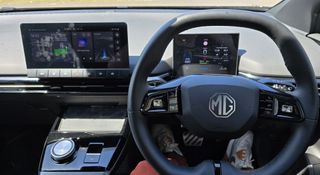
x=206, y=54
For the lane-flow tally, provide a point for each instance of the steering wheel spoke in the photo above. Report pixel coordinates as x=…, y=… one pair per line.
x=277, y=105
x=164, y=101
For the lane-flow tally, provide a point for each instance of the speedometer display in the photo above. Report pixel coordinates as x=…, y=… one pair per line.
x=206, y=54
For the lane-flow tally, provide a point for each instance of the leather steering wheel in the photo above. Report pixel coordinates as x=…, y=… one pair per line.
x=193, y=99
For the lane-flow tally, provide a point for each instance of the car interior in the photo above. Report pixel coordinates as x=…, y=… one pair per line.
x=83, y=83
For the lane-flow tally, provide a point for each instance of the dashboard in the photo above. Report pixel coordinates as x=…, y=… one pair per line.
x=258, y=54
x=102, y=44
x=40, y=77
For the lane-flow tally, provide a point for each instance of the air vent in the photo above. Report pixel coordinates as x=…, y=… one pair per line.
x=282, y=87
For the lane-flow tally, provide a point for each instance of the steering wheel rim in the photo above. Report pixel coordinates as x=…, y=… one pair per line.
x=295, y=59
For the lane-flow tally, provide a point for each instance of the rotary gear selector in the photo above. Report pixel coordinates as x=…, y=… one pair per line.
x=62, y=150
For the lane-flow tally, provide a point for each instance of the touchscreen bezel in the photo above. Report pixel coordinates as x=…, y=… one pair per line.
x=120, y=27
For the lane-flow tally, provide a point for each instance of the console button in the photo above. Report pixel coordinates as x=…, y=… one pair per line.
x=54, y=73
x=92, y=158
x=77, y=73
x=112, y=74
x=90, y=73
x=63, y=149
x=101, y=73
x=65, y=73
x=32, y=73
x=42, y=73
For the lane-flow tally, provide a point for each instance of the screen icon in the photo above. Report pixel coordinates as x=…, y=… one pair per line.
x=82, y=42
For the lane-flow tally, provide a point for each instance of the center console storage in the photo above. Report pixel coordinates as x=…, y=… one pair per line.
x=85, y=140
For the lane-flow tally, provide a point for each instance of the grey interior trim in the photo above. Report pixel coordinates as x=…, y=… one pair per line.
x=296, y=13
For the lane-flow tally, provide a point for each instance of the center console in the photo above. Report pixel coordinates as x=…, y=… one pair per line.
x=78, y=144
x=83, y=61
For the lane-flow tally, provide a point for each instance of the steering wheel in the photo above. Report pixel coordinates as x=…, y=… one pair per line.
x=224, y=106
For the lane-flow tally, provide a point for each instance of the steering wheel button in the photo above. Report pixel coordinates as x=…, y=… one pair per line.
x=158, y=103
x=287, y=108
x=173, y=101
x=172, y=94
x=173, y=108
x=267, y=98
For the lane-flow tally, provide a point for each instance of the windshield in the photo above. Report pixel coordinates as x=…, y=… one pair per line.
x=136, y=3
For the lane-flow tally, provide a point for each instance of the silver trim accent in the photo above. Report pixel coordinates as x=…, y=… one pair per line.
x=92, y=125
x=23, y=86
x=221, y=102
x=276, y=106
x=304, y=170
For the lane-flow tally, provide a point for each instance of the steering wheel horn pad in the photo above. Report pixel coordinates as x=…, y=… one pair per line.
x=219, y=106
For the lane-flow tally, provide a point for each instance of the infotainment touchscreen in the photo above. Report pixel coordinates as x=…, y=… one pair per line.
x=62, y=50
x=206, y=54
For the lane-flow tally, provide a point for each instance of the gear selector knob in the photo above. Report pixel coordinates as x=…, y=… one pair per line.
x=62, y=150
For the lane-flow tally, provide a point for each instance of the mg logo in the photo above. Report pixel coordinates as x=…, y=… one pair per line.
x=222, y=105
